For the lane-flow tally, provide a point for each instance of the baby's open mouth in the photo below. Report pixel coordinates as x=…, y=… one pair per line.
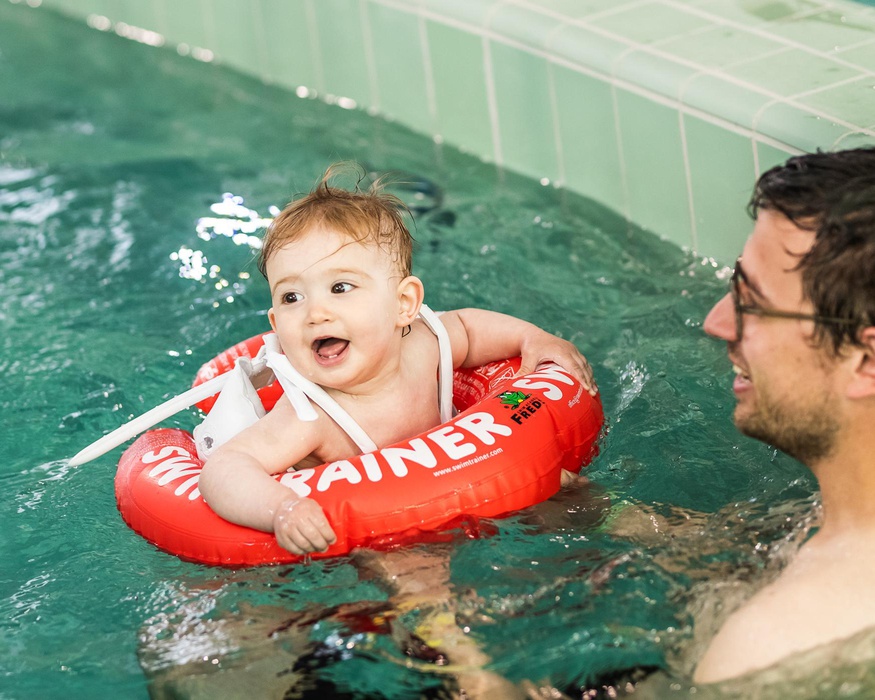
x=329, y=348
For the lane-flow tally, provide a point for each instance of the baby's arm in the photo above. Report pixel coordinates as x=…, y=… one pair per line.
x=238, y=484
x=480, y=336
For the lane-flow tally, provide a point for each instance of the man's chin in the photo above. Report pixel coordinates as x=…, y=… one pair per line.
x=806, y=441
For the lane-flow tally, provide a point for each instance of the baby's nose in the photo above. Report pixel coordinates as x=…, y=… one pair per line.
x=318, y=311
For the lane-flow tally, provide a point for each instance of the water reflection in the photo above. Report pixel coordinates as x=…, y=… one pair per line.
x=231, y=220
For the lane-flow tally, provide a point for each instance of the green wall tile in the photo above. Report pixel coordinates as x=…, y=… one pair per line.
x=67, y=7
x=827, y=30
x=791, y=72
x=655, y=175
x=401, y=77
x=139, y=14
x=650, y=22
x=715, y=95
x=862, y=56
x=792, y=125
x=719, y=46
x=661, y=75
x=751, y=13
x=855, y=101
x=722, y=174
x=288, y=45
x=187, y=24
x=460, y=88
x=473, y=12
x=524, y=25
x=588, y=136
x=525, y=115
x=856, y=139
x=236, y=42
x=587, y=48
x=576, y=9
x=342, y=50
x=770, y=156
x=106, y=8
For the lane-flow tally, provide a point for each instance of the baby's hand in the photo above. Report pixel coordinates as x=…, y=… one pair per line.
x=544, y=347
x=301, y=527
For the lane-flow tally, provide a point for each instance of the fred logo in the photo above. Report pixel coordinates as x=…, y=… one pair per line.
x=512, y=399
x=523, y=405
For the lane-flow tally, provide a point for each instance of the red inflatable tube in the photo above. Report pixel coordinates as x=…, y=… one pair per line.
x=503, y=452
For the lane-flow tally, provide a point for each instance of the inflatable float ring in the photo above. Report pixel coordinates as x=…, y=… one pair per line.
x=504, y=451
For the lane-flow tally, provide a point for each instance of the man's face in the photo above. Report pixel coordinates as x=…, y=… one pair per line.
x=784, y=383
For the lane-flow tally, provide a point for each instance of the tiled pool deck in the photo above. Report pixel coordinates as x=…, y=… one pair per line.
x=664, y=110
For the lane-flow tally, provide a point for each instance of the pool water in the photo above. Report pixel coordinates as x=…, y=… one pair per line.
x=112, y=295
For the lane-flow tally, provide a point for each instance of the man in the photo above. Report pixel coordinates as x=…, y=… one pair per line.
x=799, y=324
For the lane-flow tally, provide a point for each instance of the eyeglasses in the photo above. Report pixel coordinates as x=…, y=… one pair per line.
x=735, y=281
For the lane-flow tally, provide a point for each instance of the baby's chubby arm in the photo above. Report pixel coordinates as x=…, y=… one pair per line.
x=238, y=484
x=479, y=336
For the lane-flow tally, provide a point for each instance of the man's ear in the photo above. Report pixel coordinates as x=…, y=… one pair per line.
x=410, y=296
x=863, y=383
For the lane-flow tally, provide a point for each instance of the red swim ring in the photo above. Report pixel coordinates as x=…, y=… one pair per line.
x=503, y=452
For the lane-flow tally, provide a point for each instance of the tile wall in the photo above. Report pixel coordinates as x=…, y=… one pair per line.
x=664, y=110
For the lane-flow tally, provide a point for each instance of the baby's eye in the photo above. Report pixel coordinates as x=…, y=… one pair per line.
x=341, y=287
x=291, y=297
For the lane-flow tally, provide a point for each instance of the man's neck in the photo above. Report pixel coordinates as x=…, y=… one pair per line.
x=847, y=483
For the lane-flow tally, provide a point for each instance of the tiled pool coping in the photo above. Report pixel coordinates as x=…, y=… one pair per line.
x=664, y=110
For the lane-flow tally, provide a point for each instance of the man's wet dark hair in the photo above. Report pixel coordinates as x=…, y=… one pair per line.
x=833, y=195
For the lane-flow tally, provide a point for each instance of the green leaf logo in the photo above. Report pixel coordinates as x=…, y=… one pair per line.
x=512, y=399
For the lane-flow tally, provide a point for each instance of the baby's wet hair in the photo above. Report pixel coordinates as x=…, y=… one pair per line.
x=365, y=214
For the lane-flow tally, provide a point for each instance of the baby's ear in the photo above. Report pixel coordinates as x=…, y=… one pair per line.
x=410, y=296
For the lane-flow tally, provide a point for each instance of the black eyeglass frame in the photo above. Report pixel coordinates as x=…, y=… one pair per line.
x=738, y=276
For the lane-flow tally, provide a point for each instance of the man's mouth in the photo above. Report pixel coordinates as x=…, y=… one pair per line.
x=739, y=372
x=329, y=348
x=742, y=381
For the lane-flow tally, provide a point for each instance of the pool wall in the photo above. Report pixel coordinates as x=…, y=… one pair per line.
x=663, y=110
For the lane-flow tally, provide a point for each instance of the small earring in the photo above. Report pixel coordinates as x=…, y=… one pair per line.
x=405, y=331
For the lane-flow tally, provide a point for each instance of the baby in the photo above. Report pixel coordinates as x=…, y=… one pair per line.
x=350, y=318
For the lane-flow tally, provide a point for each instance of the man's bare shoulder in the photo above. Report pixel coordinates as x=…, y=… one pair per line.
x=824, y=595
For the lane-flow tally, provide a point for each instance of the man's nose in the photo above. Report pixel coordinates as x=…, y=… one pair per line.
x=720, y=321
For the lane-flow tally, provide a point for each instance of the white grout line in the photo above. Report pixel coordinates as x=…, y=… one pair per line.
x=756, y=159
x=643, y=47
x=315, y=48
x=370, y=58
x=825, y=88
x=716, y=20
x=557, y=129
x=858, y=45
x=491, y=102
x=209, y=26
x=487, y=36
x=161, y=17
x=756, y=30
x=621, y=154
x=261, y=41
x=688, y=176
x=430, y=89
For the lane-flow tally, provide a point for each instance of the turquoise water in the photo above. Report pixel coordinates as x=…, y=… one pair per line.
x=110, y=154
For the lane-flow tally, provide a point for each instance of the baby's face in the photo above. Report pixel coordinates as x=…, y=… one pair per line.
x=335, y=308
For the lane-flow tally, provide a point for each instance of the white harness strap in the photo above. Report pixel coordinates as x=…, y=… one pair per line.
x=296, y=386
x=238, y=406
x=445, y=365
